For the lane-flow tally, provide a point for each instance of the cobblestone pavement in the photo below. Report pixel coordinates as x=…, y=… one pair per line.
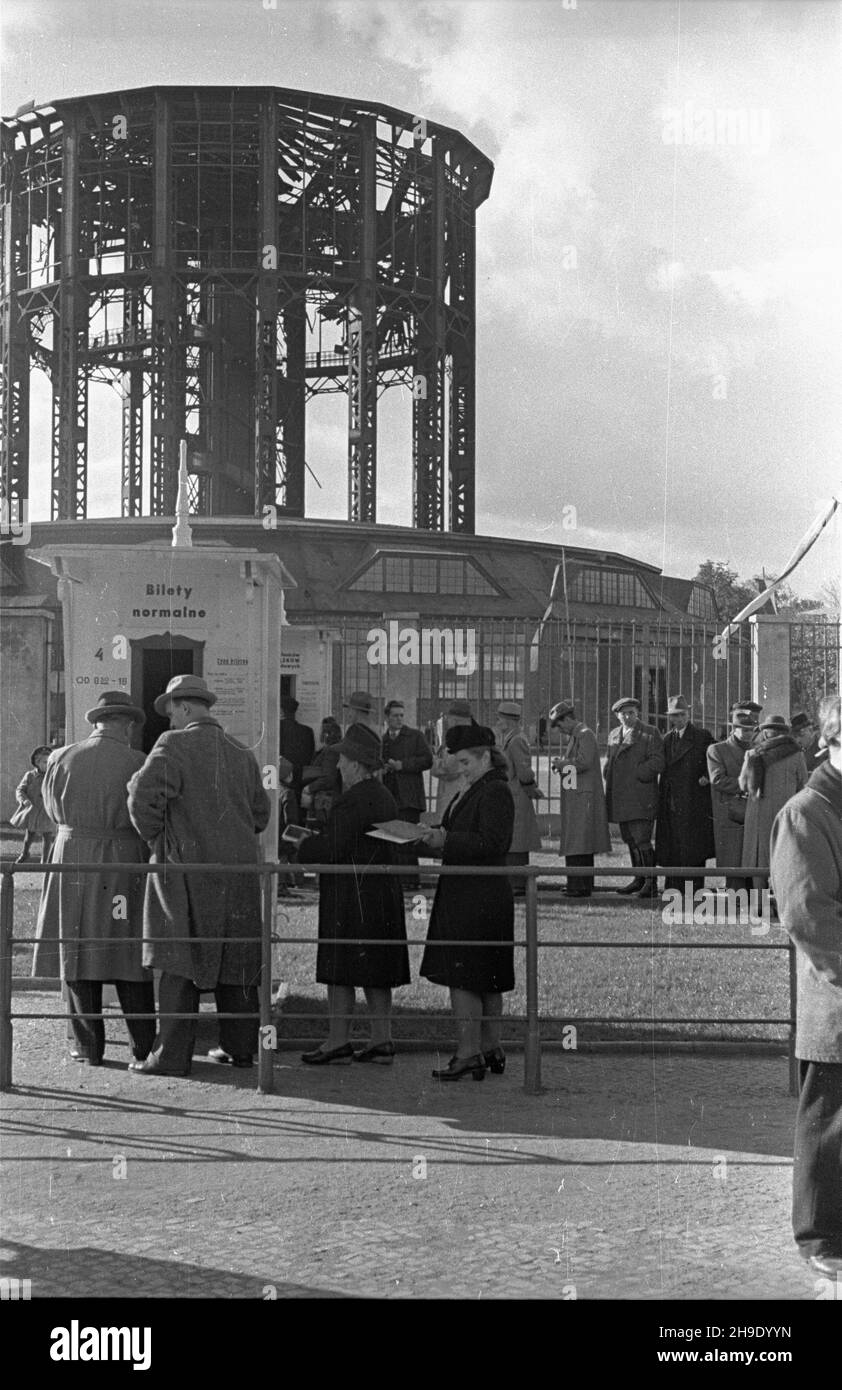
x=630, y=1177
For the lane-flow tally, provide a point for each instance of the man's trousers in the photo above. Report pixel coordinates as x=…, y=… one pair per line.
x=817, y=1167
x=176, y=1037
x=135, y=996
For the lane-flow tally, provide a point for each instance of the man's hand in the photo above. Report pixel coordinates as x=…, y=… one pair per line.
x=433, y=836
x=393, y=764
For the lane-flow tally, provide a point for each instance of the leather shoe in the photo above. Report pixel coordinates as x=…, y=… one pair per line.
x=320, y=1057
x=152, y=1067
x=459, y=1067
x=223, y=1058
x=85, y=1059
x=828, y=1265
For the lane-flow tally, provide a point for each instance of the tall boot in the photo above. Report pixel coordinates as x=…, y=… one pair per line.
x=650, y=885
x=637, y=883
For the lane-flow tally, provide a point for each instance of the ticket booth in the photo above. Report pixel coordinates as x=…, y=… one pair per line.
x=134, y=616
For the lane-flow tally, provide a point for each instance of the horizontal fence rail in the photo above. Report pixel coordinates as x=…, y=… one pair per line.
x=268, y=937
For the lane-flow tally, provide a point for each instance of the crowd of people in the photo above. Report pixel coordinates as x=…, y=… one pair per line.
x=768, y=792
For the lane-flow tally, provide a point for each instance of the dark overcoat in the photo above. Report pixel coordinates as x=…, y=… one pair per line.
x=684, y=833
x=806, y=874
x=199, y=799
x=782, y=780
x=725, y=762
x=584, y=822
x=84, y=793
x=478, y=829
x=410, y=748
x=296, y=743
x=362, y=904
x=631, y=773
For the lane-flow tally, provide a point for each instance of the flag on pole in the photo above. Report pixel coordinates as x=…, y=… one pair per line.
x=805, y=544
x=535, y=645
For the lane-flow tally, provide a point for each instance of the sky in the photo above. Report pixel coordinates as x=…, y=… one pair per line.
x=658, y=273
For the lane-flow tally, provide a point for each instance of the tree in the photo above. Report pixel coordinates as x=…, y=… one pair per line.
x=730, y=591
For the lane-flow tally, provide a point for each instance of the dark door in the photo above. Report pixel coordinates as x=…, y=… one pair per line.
x=155, y=660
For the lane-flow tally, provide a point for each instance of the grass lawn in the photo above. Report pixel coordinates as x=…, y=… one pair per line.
x=639, y=983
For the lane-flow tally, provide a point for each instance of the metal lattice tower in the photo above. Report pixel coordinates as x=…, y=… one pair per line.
x=193, y=246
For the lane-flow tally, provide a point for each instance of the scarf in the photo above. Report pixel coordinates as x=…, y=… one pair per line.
x=763, y=755
x=827, y=781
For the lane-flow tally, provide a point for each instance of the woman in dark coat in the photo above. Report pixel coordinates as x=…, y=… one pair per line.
x=476, y=829
x=362, y=904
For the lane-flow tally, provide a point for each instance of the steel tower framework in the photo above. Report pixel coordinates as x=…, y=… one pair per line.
x=193, y=247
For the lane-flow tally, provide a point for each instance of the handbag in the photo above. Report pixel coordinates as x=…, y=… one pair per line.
x=737, y=812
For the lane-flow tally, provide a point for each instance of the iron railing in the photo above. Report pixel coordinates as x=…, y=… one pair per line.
x=531, y=946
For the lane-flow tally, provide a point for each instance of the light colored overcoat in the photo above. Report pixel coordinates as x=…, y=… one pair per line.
x=584, y=821
x=84, y=792
x=526, y=835
x=806, y=873
x=199, y=799
x=725, y=761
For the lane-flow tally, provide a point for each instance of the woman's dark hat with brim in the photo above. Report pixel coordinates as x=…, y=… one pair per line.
x=473, y=736
x=37, y=752
x=361, y=745
x=185, y=687
x=115, y=702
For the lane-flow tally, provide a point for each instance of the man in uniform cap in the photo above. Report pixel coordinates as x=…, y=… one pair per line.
x=406, y=756
x=685, y=822
x=98, y=915
x=199, y=799
x=806, y=735
x=635, y=758
x=584, y=822
x=728, y=801
x=526, y=836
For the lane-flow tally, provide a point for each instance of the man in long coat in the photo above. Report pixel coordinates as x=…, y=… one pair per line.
x=584, y=821
x=806, y=873
x=635, y=758
x=406, y=756
x=296, y=743
x=526, y=835
x=774, y=770
x=84, y=792
x=684, y=833
x=199, y=799
x=728, y=801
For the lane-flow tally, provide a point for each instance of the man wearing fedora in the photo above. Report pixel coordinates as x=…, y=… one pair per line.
x=97, y=915
x=728, y=801
x=199, y=799
x=584, y=822
x=773, y=770
x=296, y=743
x=445, y=769
x=635, y=760
x=362, y=709
x=526, y=835
x=684, y=832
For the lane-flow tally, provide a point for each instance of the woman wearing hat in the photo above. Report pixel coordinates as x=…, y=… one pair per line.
x=363, y=904
x=773, y=770
x=29, y=814
x=476, y=829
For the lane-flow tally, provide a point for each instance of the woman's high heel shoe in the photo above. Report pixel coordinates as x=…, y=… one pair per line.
x=495, y=1061
x=456, y=1069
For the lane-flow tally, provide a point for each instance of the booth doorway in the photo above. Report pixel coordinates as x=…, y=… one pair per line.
x=155, y=660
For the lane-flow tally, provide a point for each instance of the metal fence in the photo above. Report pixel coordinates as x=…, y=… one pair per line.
x=530, y=946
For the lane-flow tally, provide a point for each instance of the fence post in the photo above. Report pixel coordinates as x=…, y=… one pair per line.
x=266, y=1052
x=794, y=1078
x=532, y=1057
x=7, y=917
